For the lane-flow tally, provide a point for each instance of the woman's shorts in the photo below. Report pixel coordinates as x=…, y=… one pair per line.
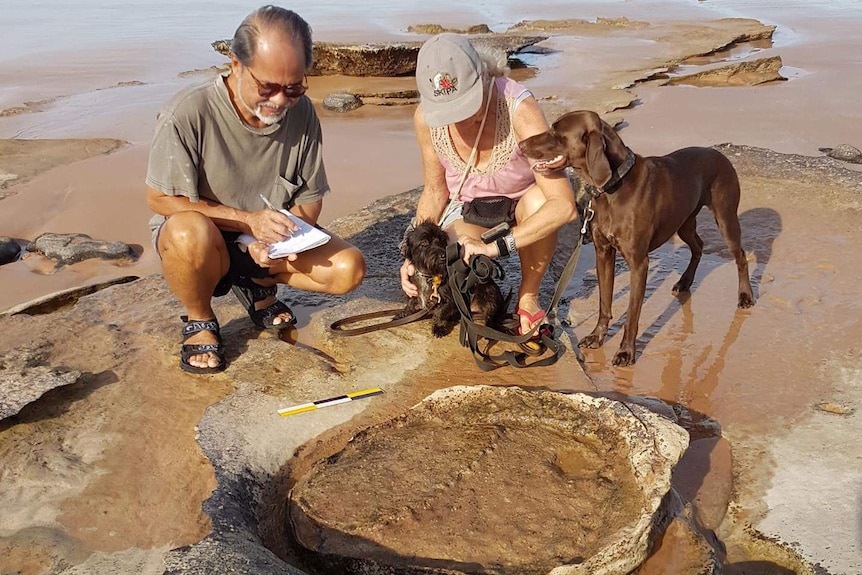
x=451, y=214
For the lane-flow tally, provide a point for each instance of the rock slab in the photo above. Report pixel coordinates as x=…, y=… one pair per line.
x=749, y=73
x=72, y=248
x=844, y=152
x=481, y=479
x=24, y=378
x=387, y=59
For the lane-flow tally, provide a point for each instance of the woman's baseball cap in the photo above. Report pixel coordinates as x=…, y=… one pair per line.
x=450, y=78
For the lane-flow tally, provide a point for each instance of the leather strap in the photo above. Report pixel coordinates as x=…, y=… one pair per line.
x=617, y=175
x=337, y=327
x=462, y=281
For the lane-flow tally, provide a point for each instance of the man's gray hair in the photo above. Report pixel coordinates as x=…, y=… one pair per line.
x=266, y=18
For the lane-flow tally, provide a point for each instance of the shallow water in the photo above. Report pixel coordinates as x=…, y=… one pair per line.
x=56, y=49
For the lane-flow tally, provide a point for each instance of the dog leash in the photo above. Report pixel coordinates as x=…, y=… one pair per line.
x=462, y=281
x=482, y=269
x=338, y=327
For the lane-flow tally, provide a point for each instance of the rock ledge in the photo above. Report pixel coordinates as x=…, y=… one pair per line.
x=483, y=479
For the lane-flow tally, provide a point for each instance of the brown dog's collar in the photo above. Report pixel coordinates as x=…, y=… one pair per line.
x=617, y=175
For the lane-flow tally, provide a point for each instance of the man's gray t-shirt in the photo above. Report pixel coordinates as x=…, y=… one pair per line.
x=202, y=149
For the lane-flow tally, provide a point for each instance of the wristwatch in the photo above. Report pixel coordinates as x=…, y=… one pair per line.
x=506, y=245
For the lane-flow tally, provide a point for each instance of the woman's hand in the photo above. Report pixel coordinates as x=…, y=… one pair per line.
x=407, y=271
x=473, y=247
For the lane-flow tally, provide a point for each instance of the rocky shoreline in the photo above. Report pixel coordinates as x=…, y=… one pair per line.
x=240, y=436
x=115, y=461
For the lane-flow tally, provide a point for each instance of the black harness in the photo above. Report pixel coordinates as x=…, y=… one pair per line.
x=463, y=280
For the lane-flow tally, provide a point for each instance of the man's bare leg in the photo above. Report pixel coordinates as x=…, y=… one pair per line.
x=335, y=268
x=194, y=259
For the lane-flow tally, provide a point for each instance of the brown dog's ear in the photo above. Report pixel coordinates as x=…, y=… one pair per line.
x=614, y=146
x=598, y=167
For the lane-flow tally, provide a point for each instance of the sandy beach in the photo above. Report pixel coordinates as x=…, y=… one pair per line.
x=761, y=375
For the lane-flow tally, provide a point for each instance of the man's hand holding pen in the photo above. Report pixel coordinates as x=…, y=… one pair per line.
x=270, y=225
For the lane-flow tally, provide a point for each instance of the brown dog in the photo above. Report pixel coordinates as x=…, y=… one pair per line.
x=639, y=204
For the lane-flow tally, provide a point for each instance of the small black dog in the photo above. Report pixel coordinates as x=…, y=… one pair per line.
x=425, y=246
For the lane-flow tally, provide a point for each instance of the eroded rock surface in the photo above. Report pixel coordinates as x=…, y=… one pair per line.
x=64, y=298
x=24, y=377
x=22, y=159
x=439, y=29
x=749, y=73
x=71, y=248
x=384, y=59
x=483, y=479
x=845, y=153
x=341, y=102
x=570, y=24
x=387, y=58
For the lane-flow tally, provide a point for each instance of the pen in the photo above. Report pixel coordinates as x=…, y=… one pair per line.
x=267, y=202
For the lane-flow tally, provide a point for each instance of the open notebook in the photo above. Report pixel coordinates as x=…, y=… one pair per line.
x=305, y=238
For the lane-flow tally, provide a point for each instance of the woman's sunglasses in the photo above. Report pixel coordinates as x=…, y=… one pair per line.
x=269, y=89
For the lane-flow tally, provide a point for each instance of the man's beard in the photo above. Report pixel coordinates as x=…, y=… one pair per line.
x=257, y=112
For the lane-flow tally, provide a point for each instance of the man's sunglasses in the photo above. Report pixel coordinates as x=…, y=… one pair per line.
x=270, y=89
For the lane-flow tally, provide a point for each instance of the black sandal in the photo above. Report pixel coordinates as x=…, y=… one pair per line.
x=249, y=293
x=535, y=346
x=191, y=349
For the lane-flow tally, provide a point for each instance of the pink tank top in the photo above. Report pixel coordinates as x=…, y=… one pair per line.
x=508, y=173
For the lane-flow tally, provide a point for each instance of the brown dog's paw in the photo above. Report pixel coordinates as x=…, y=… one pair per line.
x=745, y=301
x=592, y=341
x=681, y=287
x=624, y=358
x=442, y=329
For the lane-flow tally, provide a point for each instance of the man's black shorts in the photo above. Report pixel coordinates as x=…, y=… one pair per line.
x=241, y=265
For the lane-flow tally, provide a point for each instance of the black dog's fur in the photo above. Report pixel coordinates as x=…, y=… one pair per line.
x=425, y=246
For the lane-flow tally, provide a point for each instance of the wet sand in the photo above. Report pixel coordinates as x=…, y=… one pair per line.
x=759, y=373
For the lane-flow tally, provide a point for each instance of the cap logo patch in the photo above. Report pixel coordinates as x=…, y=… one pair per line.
x=444, y=84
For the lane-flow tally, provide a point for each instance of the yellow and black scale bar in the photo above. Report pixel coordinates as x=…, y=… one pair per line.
x=302, y=408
